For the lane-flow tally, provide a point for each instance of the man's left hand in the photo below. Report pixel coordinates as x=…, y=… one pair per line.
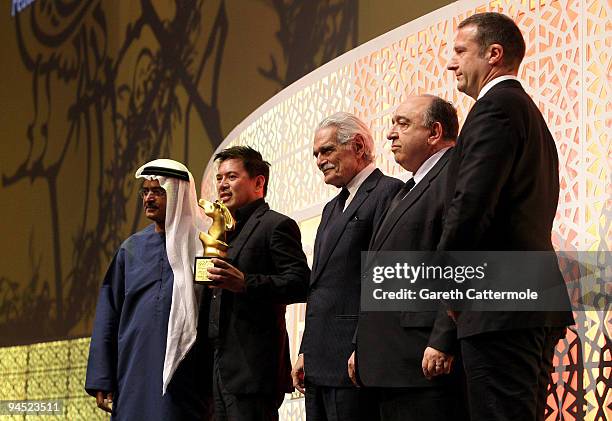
x=436, y=363
x=226, y=276
x=352, y=371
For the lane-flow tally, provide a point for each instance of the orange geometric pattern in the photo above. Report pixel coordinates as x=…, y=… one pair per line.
x=567, y=70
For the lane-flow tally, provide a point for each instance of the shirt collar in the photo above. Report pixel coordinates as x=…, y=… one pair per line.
x=356, y=182
x=428, y=165
x=494, y=82
x=247, y=210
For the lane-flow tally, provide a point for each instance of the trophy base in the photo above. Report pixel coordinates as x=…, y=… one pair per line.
x=200, y=270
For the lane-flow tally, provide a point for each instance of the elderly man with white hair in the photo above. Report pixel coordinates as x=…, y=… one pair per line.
x=146, y=317
x=344, y=151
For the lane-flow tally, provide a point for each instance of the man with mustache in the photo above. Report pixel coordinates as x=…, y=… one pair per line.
x=344, y=150
x=144, y=357
x=265, y=269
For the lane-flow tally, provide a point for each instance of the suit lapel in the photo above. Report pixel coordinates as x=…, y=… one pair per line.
x=324, y=221
x=396, y=214
x=339, y=225
x=245, y=233
x=407, y=203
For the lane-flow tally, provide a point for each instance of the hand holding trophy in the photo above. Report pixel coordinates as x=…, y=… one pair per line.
x=214, y=241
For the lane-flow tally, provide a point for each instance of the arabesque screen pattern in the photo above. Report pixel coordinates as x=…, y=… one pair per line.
x=566, y=70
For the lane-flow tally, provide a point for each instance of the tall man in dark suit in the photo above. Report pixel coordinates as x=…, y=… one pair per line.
x=409, y=355
x=503, y=192
x=344, y=149
x=246, y=310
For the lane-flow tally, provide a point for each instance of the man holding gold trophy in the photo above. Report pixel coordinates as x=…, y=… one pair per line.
x=257, y=269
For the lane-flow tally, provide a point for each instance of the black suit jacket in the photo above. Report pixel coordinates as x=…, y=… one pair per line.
x=334, y=290
x=390, y=345
x=503, y=192
x=253, y=345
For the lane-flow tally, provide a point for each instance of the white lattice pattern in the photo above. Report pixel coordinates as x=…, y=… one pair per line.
x=566, y=70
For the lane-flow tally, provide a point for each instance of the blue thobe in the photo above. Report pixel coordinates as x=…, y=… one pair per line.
x=128, y=343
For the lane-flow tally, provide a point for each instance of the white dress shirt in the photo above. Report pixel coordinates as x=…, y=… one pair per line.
x=428, y=165
x=356, y=182
x=494, y=82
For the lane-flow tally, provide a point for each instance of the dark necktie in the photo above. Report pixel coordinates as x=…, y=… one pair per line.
x=408, y=185
x=344, y=194
x=401, y=194
x=334, y=214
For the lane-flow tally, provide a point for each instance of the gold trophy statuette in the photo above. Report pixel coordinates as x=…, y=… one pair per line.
x=213, y=241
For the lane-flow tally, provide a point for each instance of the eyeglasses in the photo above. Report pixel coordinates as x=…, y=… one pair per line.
x=155, y=191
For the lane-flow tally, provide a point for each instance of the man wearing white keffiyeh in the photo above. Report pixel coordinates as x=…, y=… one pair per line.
x=146, y=318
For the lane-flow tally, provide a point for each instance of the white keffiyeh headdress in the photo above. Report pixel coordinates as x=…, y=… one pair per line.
x=184, y=220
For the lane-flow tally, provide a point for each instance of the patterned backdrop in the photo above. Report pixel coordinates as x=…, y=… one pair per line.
x=567, y=70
